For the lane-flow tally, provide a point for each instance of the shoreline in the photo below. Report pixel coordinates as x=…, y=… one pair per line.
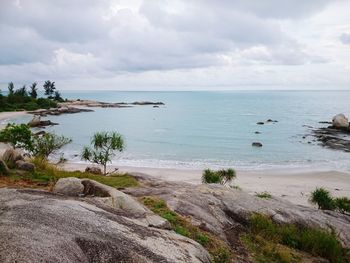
x=11, y=114
x=293, y=185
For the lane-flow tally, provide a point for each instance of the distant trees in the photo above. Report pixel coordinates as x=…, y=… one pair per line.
x=11, y=88
x=33, y=91
x=104, y=146
x=49, y=88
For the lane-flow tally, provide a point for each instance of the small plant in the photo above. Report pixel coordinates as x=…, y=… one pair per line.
x=323, y=199
x=218, y=177
x=18, y=135
x=342, y=204
x=264, y=195
x=104, y=146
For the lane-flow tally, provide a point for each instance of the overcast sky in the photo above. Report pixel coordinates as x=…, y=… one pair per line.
x=176, y=44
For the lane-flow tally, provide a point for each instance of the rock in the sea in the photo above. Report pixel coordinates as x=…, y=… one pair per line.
x=270, y=120
x=260, y=123
x=257, y=132
x=70, y=186
x=25, y=166
x=257, y=144
x=37, y=226
x=93, y=170
x=37, y=122
x=340, y=121
x=11, y=156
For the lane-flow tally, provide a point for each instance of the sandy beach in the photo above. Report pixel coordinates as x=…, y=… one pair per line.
x=293, y=185
x=11, y=115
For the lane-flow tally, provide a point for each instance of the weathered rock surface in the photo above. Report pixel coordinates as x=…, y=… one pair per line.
x=70, y=186
x=11, y=156
x=224, y=211
x=37, y=226
x=340, y=121
x=25, y=166
x=93, y=170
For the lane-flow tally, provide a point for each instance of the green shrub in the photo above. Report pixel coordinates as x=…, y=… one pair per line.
x=317, y=242
x=323, y=199
x=218, y=177
x=264, y=195
x=342, y=204
x=18, y=135
x=44, y=145
x=46, y=103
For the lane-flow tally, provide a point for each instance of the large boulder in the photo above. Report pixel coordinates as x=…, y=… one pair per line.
x=37, y=226
x=4, y=170
x=93, y=170
x=340, y=121
x=70, y=186
x=25, y=166
x=35, y=122
x=11, y=156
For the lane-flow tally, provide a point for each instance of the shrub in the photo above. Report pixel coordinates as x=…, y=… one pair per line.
x=46, y=103
x=44, y=145
x=322, y=198
x=105, y=144
x=342, y=204
x=18, y=135
x=221, y=176
x=264, y=195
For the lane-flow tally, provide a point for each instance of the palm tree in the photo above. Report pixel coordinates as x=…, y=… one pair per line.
x=49, y=88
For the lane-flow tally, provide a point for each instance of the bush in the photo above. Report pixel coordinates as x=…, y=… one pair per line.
x=264, y=195
x=323, y=199
x=221, y=176
x=18, y=135
x=46, y=103
x=342, y=204
x=44, y=145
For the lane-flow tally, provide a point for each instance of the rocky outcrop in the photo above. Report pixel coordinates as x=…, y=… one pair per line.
x=93, y=170
x=11, y=156
x=25, y=166
x=340, y=121
x=70, y=186
x=59, y=111
x=224, y=211
x=100, y=104
x=37, y=122
x=37, y=226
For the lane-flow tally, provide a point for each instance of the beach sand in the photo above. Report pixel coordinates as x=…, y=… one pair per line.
x=293, y=185
x=5, y=116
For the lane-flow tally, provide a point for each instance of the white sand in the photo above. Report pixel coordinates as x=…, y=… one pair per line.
x=291, y=184
x=11, y=114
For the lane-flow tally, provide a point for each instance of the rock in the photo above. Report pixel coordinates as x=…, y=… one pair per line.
x=4, y=170
x=37, y=226
x=257, y=144
x=11, y=156
x=37, y=122
x=155, y=106
x=224, y=211
x=257, y=132
x=40, y=133
x=333, y=138
x=25, y=166
x=93, y=170
x=70, y=186
x=147, y=103
x=260, y=123
x=340, y=121
x=270, y=120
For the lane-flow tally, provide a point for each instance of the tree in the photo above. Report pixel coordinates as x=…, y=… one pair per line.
x=49, y=88
x=104, y=146
x=44, y=145
x=21, y=92
x=11, y=88
x=18, y=135
x=57, y=96
x=33, y=91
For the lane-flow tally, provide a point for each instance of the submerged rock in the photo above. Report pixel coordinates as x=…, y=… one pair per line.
x=38, y=226
x=260, y=123
x=257, y=144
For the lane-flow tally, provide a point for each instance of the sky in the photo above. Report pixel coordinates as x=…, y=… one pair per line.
x=176, y=44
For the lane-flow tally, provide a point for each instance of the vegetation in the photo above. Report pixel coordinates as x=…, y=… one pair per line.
x=218, y=177
x=21, y=99
x=44, y=145
x=45, y=176
x=104, y=146
x=325, y=201
x=264, y=195
x=18, y=135
x=278, y=243
x=219, y=251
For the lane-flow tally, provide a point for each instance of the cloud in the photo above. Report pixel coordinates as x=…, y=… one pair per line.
x=107, y=39
x=345, y=38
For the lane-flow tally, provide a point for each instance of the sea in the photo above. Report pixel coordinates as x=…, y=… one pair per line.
x=210, y=129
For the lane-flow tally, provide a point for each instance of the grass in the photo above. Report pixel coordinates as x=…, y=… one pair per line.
x=264, y=195
x=47, y=174
x=278, y=243
x=218, y=249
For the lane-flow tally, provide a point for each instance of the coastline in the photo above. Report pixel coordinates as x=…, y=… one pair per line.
x=293, y=185
x=11, y=114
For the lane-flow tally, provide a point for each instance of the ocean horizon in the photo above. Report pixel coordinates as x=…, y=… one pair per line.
x=200, y=129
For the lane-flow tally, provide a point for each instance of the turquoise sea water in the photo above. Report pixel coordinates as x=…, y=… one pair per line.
x=212, y=129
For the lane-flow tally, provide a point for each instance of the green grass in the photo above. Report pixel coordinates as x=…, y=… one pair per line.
x=264, y=195
x=219, y=251
x=316, y=242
